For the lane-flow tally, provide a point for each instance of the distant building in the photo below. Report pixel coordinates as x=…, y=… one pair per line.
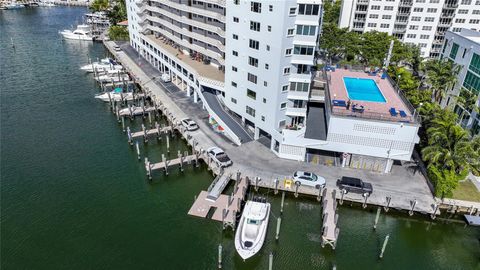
x=256, y=62
x=419, y=22
x=464, y=49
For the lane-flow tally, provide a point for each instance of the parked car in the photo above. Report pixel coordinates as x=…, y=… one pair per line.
x=219, y=156
x=308, y=179
x=354, y=185
x=189, y=124
x=117, y=48
x=166, y=77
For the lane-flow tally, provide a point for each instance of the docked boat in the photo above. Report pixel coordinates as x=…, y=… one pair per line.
x=113, y=76
x=13, y=5
x=46, y=4
x=103, y=65
x=252, y=228
x=115, y=95
x=81, y=33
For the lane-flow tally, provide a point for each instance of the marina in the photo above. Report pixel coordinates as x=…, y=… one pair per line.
x=91, y=195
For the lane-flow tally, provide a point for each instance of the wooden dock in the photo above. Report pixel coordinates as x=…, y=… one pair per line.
x=330, y=230
x=157, y=131
x=165, y=164
x=225, y=207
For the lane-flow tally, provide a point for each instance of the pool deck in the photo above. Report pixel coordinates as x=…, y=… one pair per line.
x=339, y=92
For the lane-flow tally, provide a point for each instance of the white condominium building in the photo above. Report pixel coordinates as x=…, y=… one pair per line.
x=464, y=49
x=252, y=64
x=419, y=22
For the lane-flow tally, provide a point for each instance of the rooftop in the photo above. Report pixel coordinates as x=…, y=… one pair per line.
x=471, y=35
x=204, y=70
x=370, y=110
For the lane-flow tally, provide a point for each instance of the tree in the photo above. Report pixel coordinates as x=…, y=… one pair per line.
x=374, y=47
x=118, y=32
x=475, y=162
x=118, y=12
x=442, y=76
x=446, y=181
x=99, y=5
x=467, y=100
x=331, y=12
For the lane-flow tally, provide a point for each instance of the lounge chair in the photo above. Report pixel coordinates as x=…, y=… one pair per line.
x=393, y=112
x=358, y=108
x=339, y=103
x=402, y=113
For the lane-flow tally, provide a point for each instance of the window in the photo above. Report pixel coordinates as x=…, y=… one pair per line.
x=269, y=28
x=434, y=1
x=372, y=25
x=256, y=7
x=386, y=17
x=429, y=19
x=252, y=78
x=466, y=2
x=420, y=1
x=281, y=124
x=285, y=88
x=234, y=84
x=267, y=66
x=283, y=105
x=299, y=86
x=424, y=36
x=263, y=118
x=292, y=11
x=388, y=8
x=251, y=94
x=234, y=101
x=270, y=8
x=476, y=12
x=235, y=53
x=373, y=16
x=250, y=111
x=411, y=36
x=422, y=45
x=472, y=82
x=475, y=63
x=288, y=52
x=268, y=47
x=303, y=50
x=253, y=44
x=234, y=69
x=384, y=25
x=308, y=9
x=375, y=7
x=265, y=83
x=453, y=51
x=303, y=69
x=460, y=20
x=417, y=9
x=236, y=2
x=255, y=26
x=463, y=11
x=415, y=19
x=426, y=28
x=235, y=36
x=456, y=29
x=306, y=30
x=235, y=19
x=413, y=27
x=253, y=61
x=286, y=71
x=431, y=10
x=473, y=21
x=290, y=31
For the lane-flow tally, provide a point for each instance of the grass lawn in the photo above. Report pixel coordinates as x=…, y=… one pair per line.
x=466, y=191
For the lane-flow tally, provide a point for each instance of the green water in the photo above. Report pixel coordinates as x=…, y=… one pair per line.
x=74, y=196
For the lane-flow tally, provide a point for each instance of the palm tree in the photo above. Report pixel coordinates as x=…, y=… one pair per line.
x=442, y=76
x=475, y=160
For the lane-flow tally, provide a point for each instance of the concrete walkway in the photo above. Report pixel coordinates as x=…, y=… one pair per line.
x=403, y=185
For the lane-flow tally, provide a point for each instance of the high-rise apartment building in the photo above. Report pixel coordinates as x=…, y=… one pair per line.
x=253, y=63
x=464, y=49
x=420, y=22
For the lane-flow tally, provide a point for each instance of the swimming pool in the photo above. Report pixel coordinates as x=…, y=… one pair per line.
x=363, y=89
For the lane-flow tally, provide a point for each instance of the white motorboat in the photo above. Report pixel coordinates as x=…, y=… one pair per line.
x=252, y=228
x=115, y=96
x=81, y=33
x=113, y=77
x=46, y=4
x=14, y=5
x=104, y=64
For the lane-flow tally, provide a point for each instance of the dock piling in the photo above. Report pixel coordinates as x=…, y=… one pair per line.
x=413, y=203
x=276, y=181
x=256, y=183
x=168, y=144
x=270, y=261
x=364, y=205
x=164, y=160
x=435, y=209
x=129, y=134
x=279, y=222
x=149, y=168
x=281, y=203
x=179, y=154
x=297, y=185
x=220, y=256
x=123, y=123
x=145, y=136
x=385, y=242
x=319, y=195
x=138, y=149
x=342, y=193
x=376, y=218
x=150, y=119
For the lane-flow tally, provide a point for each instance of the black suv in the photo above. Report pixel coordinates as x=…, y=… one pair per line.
x=354, y=185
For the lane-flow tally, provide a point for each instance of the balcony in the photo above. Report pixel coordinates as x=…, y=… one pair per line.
x=302, y=59
x=296, y=111
x=401, y=22
x=194, y=10
x=299, y=95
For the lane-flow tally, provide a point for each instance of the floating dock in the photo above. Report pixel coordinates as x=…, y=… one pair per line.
x=473, y=220
x=330, y=230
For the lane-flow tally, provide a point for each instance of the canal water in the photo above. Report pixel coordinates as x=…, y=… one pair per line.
x=74, y=195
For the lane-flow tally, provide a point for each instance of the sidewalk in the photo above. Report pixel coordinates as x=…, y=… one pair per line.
x=253, y=159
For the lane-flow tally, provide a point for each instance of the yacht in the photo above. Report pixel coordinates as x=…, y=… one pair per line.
x=252, y=228
x=46, y=4
x=112, y=76
x=81, y=33
x=13, y=5
x=115, y=95
x=103, y=64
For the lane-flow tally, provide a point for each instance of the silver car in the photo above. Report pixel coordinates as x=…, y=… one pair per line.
x=308, y=179
x=219, y=156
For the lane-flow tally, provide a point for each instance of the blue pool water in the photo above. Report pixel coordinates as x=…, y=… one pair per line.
x=363, y=89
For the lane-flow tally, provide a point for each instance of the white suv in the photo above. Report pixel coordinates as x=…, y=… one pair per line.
x=308, y=179
x=189, y=124
x=219, y=157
